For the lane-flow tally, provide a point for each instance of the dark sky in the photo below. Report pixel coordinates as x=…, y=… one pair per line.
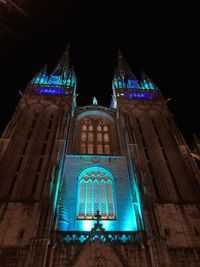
x=150, y=37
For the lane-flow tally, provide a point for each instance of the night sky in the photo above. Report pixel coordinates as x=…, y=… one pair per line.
x=147, y=38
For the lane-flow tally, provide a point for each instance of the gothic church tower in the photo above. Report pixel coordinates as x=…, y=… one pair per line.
x=96, y=186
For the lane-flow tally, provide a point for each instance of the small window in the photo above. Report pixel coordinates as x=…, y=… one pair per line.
x=99, y=149
x=99, y=128
x=83, y=148
x=90, y=137
x=83, y=136
x=99, y=137
x=106, y=139
x=84, y=127
x=107, y=149
x=90, y=127
x=90, y=148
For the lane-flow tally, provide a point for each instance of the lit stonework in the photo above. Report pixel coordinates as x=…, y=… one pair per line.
x=97, y=186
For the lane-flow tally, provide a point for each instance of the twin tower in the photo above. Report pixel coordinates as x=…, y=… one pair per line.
x=96, y=186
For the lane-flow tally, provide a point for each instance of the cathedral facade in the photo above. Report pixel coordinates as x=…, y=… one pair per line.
x=95, y=186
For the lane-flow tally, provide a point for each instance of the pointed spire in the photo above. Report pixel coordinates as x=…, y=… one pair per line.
x=63, y=63
x=124, y=68
x=64, y=60
x=43, y=71
x=144, y=76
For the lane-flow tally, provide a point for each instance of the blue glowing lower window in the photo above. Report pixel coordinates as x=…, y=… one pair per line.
x=96, y=193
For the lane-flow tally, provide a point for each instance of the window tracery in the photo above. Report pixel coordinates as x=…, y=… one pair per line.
x=96, y=193
x=94, y=138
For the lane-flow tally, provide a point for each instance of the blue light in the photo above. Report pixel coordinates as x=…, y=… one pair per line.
x=108, y=225
x=127, y=214
x=87, y=225
x=60, y=79
x=140, y=95
x=68, y=82
x=138, y=205
x=133, y=84
x=151, y=86
x=54, y=80
x=51, y=91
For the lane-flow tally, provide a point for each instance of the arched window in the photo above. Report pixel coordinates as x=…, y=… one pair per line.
x=94, y=137
x=96, y=193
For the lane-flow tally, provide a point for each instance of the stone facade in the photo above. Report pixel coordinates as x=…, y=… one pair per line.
x=155, y=179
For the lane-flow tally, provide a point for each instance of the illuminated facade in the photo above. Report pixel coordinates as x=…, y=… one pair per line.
x=96, y=186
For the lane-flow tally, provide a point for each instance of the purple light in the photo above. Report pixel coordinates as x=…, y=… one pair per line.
x=51, y=91
x=144, y=95
x=133, y=84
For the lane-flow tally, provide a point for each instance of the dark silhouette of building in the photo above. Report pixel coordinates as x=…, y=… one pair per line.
x=94, y=185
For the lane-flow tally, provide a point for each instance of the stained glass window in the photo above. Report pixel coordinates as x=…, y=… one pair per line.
x=96, y=193
x=83, y=148
x=84, y=127
x=90, y=149
x=99, y=149
x=94, y=137
x=99, y=137
x=105, y=128
x=84, y=136
x=107, y=149
x=99, y=128
x=90, y=127
x=90, y=136
x=106, y=139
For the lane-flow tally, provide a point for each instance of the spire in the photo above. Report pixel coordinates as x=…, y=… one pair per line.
x=63, y=63
x=126, y=86
x=124, y=68
x=62, y=80
x=124, y=77
x=64, y=60
x=144, y=76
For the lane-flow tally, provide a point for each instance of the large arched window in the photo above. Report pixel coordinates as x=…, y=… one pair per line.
x=96, y=193
x=94, y=137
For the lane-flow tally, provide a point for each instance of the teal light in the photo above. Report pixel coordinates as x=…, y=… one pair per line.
x=126, y=198
x=138, y=206
x=56, y=79
x=121, y=83
x=87, y=225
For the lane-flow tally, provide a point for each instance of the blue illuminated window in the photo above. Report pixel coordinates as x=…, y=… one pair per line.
x=96, y=193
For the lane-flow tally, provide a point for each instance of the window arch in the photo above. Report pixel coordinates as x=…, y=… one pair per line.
x=95, y=193
x=94, y=137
